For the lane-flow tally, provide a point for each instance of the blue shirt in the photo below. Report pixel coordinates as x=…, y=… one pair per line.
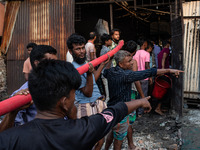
x=79, y=96
x=104, y=50
x=120, y=80
x=25, y=115
x=156, y=51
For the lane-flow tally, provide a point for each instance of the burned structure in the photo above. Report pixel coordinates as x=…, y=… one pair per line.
x=52, y=21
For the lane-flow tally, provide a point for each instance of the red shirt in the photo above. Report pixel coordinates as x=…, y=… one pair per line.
x=160, y=56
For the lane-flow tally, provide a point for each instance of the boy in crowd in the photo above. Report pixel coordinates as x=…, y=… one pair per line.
x=156, y=51
x=38, y=53
x=143, y=59
x=28, y=112
x=163, y=56
x=136, y=88
x=115, y=34
x=90, y=47
x=106, y=42
x=149, y=49
x=163, y=62
x=27, y=64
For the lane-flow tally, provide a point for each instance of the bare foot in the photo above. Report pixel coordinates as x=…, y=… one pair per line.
x=165, y=110
x=132, y=147
x=159, y=112
x=136, y=148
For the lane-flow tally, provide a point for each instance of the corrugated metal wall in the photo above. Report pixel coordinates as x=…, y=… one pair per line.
x=2, y=13
x=191, y=15
x=43, y=22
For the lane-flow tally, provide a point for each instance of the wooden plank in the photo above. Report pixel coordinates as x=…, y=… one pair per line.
x=111, y=16
x=191, y=92
x=100, y=2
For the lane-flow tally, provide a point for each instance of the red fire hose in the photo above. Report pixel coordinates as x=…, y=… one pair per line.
x=17, y=101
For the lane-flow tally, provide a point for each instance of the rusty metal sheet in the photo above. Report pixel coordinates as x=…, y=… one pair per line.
x=47, y=22
x=2, y=14
x=9, y=23
x=14, y=75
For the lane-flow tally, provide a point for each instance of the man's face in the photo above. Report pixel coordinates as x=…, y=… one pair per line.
x=150, y=49
x=127, y=63
x=71, y=99
x=116, y=36
x=145, y=45
x=29, y=50
x=79, y=53
x=50, y=56
x=109, y=42
x=167, y=46
x=46, y=56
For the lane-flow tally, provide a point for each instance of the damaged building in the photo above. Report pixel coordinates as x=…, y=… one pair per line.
x=52, y=21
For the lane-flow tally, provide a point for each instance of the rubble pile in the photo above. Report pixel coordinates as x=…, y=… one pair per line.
x=155, y=132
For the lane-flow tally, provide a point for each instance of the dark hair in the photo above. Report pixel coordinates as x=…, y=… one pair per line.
x=149, y=44
x=141, y=41
x=165, y=42
x=75, y=39
x=92, y=35
x=50, y=81
x=154, y=39
x=39, y=51
x=31, y=45
x=105, y=37
x=113, y=31
x=130, y=46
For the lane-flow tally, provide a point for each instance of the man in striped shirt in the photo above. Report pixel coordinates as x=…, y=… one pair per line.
x=120, y=79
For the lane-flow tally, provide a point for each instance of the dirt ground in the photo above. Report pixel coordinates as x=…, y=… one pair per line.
x=169, y=132
x=155, y=132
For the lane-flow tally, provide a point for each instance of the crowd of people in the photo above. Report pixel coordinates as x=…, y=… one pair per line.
x=68, y=110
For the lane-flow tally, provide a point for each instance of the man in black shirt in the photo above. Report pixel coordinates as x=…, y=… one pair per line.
x=52, y=85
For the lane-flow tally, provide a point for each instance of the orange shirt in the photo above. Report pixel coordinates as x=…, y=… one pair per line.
x=27, y=66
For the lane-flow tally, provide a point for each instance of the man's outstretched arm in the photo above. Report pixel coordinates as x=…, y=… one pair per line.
x=133, y=76
x=144, y=103
x=171, y=71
